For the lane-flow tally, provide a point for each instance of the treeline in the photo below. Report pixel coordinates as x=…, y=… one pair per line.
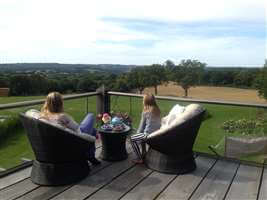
x=67, y=68
x=187, y=74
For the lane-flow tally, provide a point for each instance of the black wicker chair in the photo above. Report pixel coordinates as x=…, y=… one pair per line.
x=170, y=148
x=60, y=153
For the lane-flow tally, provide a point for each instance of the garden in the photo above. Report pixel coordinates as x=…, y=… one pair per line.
x=216, y=125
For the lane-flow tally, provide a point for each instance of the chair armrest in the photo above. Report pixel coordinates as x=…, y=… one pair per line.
x=84, y=136
x=78, y=134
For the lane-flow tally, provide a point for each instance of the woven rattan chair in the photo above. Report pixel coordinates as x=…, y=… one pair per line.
x=60, y=153
x=170, y=148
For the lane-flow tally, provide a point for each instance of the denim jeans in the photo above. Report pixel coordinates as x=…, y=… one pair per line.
x=87, y=127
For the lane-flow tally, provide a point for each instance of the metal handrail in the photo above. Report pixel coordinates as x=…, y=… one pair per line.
x=41, y=101
x=228, y=103
x=76, y=96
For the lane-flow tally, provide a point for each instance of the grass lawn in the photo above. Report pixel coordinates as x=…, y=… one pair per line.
x=13, y=99
x=16, y=146
x=210, y=132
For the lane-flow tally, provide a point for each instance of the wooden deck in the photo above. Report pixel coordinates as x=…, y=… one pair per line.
x=213, y=179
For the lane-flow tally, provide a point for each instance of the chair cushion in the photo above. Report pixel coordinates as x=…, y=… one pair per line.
x=174, y=112
x=36, y=114
x=189, y=112
x=78, y=132
x=33, y=113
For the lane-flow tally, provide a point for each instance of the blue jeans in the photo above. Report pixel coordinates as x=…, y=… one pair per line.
x=87, y=127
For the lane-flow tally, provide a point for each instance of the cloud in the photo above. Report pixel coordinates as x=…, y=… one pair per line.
x=133, y=32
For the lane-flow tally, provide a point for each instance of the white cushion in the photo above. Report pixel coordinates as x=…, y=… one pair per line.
x=182, y=114
x=173, y=114
x=190, y=111
x=177, y=109
x=33, y=113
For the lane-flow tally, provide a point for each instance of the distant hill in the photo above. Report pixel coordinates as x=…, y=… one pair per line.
x=57, y=67
x=229, y=68
x=110, y=68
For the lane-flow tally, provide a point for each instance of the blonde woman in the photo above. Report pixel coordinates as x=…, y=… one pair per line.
x=150, y=122
x=53, y=111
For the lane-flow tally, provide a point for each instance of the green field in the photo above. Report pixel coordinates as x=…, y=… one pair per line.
x=16, y=145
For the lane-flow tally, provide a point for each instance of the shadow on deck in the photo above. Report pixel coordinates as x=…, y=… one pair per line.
x=213, y=179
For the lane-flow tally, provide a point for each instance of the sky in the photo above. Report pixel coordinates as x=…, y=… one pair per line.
x=139, y=32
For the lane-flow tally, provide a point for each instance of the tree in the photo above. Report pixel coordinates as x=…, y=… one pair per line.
x=261, y=82
x=121, y=84
x=244, y=78
x=156, y=75
x=137, y=79
x=20, y=85
x=188, y=74
x=3, y=82
x=169, y=66
x=87, y=84
x=39, y=84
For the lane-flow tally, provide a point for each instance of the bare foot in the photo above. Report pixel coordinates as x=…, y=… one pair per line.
x=138, y=161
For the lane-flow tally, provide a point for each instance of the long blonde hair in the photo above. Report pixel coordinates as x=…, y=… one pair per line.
x=53, y=104
x=150, y=105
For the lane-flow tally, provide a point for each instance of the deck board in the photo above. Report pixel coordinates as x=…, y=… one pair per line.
x=25, y=173
x=93, y=183
x=150, y=187
x=263, y=189
x=47, y=192
x=184, y=185
x=15, y=177
x=213, y=179
x=246, y=183
x=216, y=183
x=119, y=187
x=17, y=190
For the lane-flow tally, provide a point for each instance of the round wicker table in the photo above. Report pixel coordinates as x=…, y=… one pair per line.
x=114, y=144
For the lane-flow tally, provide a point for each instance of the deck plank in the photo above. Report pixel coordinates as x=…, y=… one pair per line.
x=120, y=186
x=150, y=187
x=93, y=183
x=246, y=183
x=25, y=173
x=17, y=190
x=183, y=186
x=15, y=177
x=46, y=192
x=125, y=180
x=263, y=189
x=216, y=183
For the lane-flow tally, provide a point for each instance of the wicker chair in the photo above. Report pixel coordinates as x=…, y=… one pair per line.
x=170, y=148
x=60, y=153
